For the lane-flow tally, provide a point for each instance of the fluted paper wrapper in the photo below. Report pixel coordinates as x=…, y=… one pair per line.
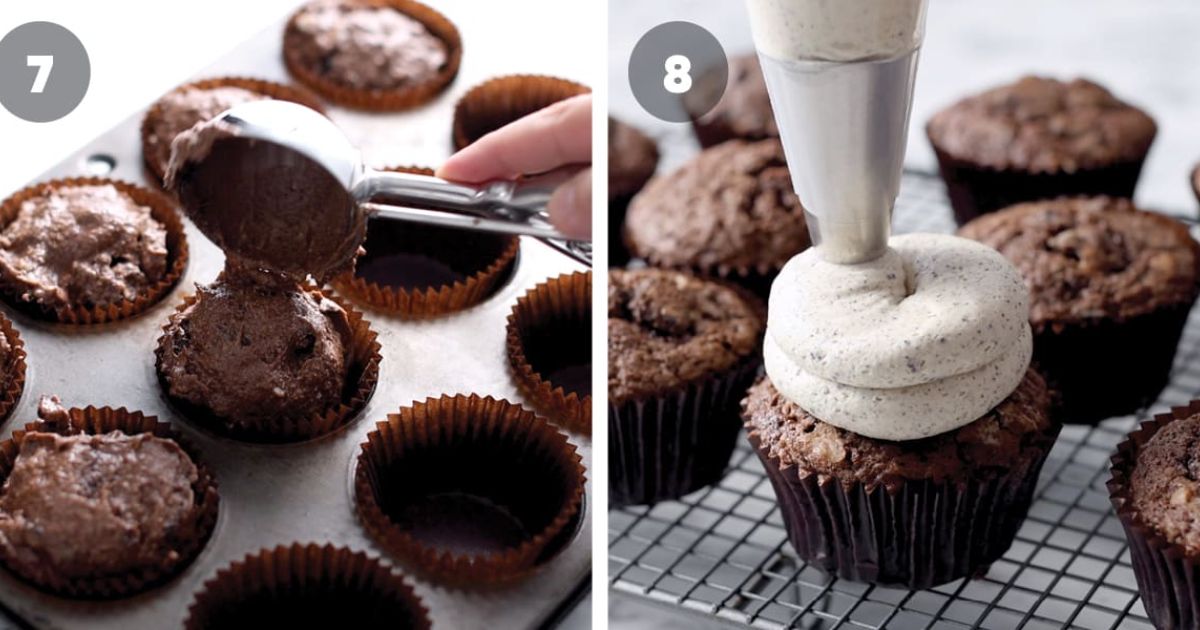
x=189, y=540
x=375, y=99
x=277, y=91
x=163, y=211
x=307, y=586
x=665, y=447
x=1168, y=580
x=482, y=447
x=502, y=100
x=14, y=372
x=919, y=535
x=567, y=300
x=362, y=375
x=433, y=301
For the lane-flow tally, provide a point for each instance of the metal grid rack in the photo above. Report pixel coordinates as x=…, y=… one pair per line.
x=722, y=551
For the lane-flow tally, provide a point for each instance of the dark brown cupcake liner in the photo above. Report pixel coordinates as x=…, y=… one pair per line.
x=277, y=91
x=563, y=305
x=98, y=421
x=307, y=586
x=163, y=211
x=976, y=190
x=465, y=446
x=1087, y=365
x=1168, y=580
x=13, y=372
x=665, y=447
x=432, y=301
x=502, y=100
x=919, y=535
x=362, y=376
x=381, y=100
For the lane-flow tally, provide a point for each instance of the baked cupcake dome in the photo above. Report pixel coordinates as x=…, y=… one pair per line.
x=1038, y=138
x=632, y=160
x=1111, y=287
x=682, y=351
x=744, y=110
x=915, y=514
x=730, y=212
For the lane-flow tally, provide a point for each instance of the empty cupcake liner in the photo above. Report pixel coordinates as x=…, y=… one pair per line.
x=98, y=421
x=382, y=100
x=499, y=101
x=668, y=446
x=307, y=586
x=277, y=91
x=1167, y=578
x=562, y=301
x=362, y=375
x=163, y=211
x=432, y=301
x=470, y=446
x=13, y=372
x=1087, y=364
x=922, y=534
x=975, y=190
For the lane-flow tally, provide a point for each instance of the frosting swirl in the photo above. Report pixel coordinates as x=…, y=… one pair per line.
x=920, y=341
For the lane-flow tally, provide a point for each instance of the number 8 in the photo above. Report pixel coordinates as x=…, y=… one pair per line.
x=677, y=80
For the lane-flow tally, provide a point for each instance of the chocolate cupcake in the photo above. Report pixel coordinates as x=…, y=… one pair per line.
x=199, y=101
x=730, y=212
x=469, y=491
x=1035, y=139
x=12, y=367
x=101, y=503
x=260, y=361
x=681, y=353
x=916, y=513
x=744, y=110
x=1196, y=182
x=382, y=55
x=502, y=100
x=1157, y=497
x=1111, y=287
x=548, y=349
x=417, y=271
x=88, y=250
x=632, y=160
x=307, y=586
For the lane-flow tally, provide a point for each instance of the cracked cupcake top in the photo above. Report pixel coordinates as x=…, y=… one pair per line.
x=1165, y=484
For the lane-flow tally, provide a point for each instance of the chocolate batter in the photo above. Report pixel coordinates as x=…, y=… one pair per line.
x=179, y=110
x=95, y=505
x=249, y=351
x=82, y=246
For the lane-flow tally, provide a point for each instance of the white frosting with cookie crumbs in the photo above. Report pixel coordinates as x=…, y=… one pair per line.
x=836, y=30
x=920, y=341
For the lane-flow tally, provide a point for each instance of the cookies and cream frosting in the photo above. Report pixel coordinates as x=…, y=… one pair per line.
x=920, y=341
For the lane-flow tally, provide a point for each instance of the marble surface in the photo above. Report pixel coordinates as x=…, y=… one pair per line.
x=1145, y=53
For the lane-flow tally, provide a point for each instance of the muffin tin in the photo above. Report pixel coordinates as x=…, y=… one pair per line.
x=277, y=495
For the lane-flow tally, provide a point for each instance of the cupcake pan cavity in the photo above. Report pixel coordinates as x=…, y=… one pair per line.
x=273, y=495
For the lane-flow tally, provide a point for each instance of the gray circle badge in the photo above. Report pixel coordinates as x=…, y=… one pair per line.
x=44, y=71
x=678, y=71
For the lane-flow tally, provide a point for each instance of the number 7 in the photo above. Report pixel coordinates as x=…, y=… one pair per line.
x=43, y=63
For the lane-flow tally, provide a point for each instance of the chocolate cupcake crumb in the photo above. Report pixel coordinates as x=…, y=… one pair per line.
x=1165, y=485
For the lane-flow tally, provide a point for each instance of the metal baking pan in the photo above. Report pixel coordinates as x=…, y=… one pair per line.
x=274, y=495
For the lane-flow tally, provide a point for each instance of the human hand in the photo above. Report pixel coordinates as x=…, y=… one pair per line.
x=558, y=135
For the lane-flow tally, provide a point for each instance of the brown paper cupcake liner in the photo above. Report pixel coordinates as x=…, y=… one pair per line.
x=499, y=101
x=1168, y=580
x=435, y=471
x=668, y=446
x=975, y=190
x=13, y=372
x=361, y=378
x=436, y=299
x=190, y=541
x=307, y=586
x=922, y=534
x=277, y=91
x=382, y=100
x=558, y=310
x=163, y=211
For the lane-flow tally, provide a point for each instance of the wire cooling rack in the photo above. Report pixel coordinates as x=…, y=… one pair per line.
x=722, y=552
